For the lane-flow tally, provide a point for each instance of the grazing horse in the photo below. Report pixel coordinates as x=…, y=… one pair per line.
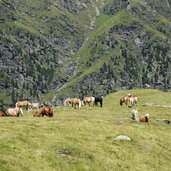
x=35, y=106
x=74, y=102
x=132, y=99
x=23, y=104
x=88, y=100
x=3, y=113
x=16, y=112
x=98, y=99
x=123, y=100
x=68, y=102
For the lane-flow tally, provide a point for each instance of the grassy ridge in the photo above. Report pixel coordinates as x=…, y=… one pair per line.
x=85, y=139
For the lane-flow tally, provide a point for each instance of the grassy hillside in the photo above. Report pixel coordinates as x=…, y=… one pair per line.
x=85, y=139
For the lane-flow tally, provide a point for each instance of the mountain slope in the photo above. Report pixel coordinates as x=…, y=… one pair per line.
x=75, y=48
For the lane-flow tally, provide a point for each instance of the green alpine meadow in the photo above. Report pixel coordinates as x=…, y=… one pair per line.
x=85, y=139
x=85, y=85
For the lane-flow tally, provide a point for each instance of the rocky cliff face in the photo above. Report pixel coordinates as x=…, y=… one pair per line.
x=83, y=47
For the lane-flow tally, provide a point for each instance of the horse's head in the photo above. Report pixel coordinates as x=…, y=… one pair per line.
x=147, y=115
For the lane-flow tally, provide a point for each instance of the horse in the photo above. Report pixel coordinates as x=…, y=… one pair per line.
x=37, y=114
x=47, y=111
x=3, y=113
x=135, y=116
x=144, y=118
x=23, y=104
x=123, y=100
x=35, y=106
x=98, y=99
x=68, y=102
x=16, y=112
x=88, y=100
x=132, y=99
x=74, y=102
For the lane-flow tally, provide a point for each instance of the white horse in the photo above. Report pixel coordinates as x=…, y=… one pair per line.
x=35, y=106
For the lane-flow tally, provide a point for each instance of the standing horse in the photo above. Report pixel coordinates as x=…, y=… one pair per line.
x=35, y=106
x=123, y=100
x=88, y=100
x=98, y=99
x=132, y=99
x=23, y=104
x=68, y=102
x=74, y=102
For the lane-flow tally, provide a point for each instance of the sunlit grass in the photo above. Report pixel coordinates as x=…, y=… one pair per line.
x=85, y=139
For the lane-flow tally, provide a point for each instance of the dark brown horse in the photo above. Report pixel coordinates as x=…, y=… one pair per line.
x=98, y=99
x=47, y=111
x=123, y=100
x=3, y=113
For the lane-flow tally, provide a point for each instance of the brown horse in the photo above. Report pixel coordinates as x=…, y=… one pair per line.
x=144, y=118
x=47, y=111
x=3, y=113
x=23, y=104
x=88, y=100
x=37, y=114
x=123, y=100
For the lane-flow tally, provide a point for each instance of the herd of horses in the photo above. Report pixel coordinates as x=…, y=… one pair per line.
x=88, y=100
x=47, y=110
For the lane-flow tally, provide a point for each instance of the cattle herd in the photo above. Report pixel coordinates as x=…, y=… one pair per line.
x=47, y=110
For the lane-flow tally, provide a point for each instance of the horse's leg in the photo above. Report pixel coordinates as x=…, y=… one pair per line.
x=21, y=111
x=101, y=103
